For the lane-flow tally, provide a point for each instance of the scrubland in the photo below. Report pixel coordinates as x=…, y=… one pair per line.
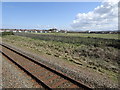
x=100, y=55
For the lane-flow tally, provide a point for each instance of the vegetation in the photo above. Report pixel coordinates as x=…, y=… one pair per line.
x=105, y=36
x=89, y=41
x=100, y=55
x=7, y=33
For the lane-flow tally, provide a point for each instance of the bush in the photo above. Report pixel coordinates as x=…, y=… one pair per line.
x=7, y=33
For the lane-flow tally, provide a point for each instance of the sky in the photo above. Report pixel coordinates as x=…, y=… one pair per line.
x=0, y=14
x=61, y=15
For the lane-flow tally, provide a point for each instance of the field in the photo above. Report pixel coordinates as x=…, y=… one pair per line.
x=106, y=36
x=100, y=55
x=76, y=40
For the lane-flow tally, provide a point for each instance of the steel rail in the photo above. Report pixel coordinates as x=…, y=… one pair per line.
x=65, y=78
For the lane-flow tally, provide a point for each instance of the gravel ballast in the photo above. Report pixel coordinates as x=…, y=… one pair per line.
x=13, y=77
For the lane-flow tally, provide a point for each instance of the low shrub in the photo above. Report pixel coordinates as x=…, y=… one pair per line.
x=7, y=33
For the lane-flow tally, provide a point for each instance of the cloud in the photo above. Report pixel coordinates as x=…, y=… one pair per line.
x=103, y=17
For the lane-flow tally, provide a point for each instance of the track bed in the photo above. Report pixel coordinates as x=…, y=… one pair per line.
x=43, y=74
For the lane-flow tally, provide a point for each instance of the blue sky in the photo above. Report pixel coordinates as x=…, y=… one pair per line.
x=0, y=14
x=42, y=14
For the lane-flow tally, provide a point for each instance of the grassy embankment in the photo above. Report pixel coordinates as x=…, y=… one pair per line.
x=98, y=56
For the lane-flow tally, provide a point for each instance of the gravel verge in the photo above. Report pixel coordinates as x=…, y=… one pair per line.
x=13, y=77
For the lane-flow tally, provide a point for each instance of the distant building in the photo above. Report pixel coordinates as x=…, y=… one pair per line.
x=63, y=31
x=53, y=30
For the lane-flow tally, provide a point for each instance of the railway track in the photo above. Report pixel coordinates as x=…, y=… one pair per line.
x=47, y=76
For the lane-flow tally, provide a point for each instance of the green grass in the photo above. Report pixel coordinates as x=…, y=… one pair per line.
x=89, y=41
x=106, y=36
